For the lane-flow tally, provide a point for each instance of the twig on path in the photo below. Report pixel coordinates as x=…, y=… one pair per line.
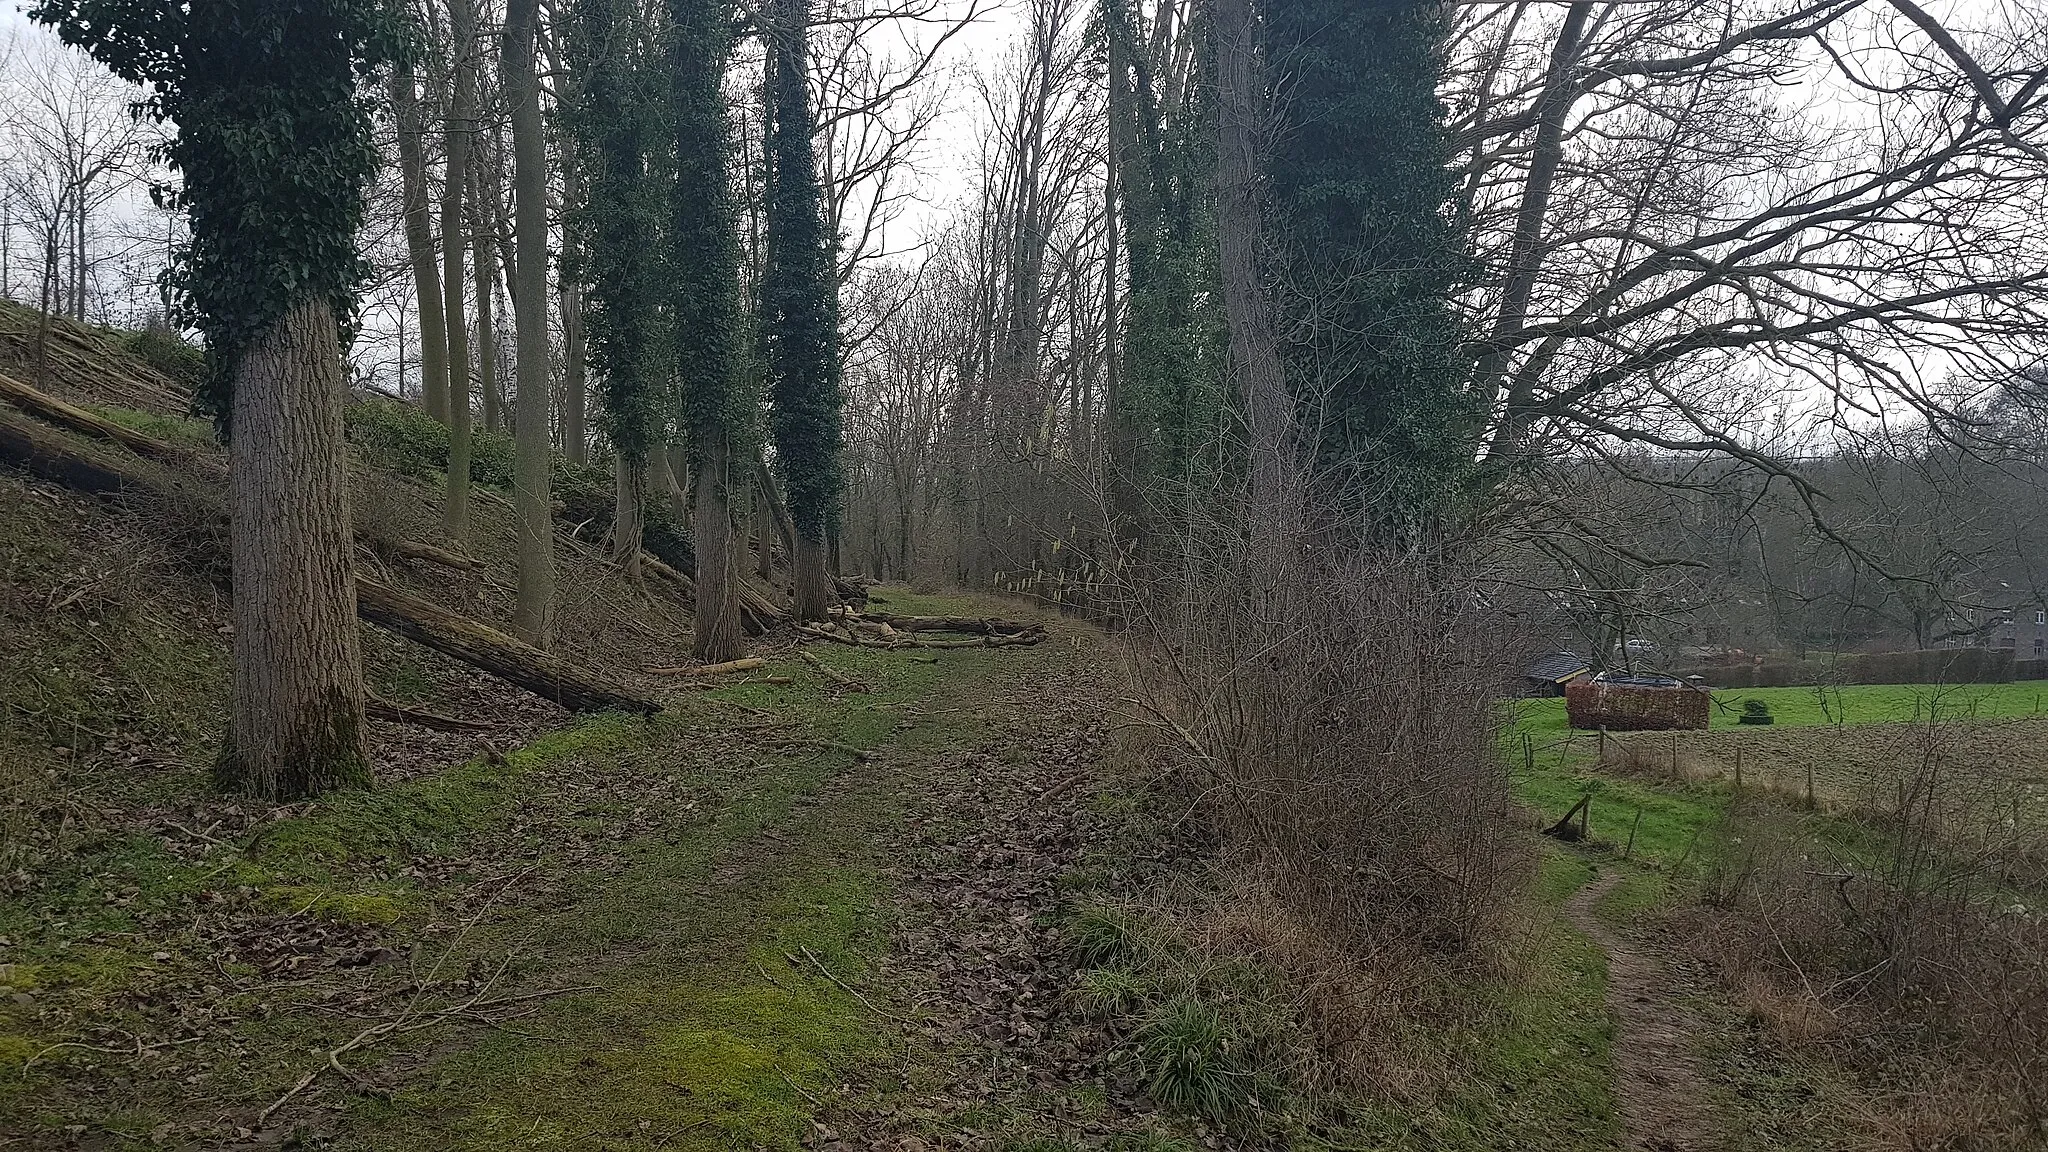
x=848, y=988
x=405, y=1022
x=833, y=674
x=815, y=1102
x=861, y=754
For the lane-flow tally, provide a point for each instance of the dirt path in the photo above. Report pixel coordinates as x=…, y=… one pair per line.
x=1659, y=1082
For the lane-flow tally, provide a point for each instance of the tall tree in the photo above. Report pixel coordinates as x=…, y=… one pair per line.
x=1361, y=184
x=460, y=136
x=1168, y=396
x=620, y=225
x=704, y=260
x=800, y=315
x=419, y=242
x=273, y=141
x=531, y=500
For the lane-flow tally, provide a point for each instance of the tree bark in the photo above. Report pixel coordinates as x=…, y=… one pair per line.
x=298, y=671
x=419, y=246
x=630, y=483
x=531, y=500
x=461, y=127
x=484, y=278
x=1241, y=114
x=717, y=633
x=812, y=587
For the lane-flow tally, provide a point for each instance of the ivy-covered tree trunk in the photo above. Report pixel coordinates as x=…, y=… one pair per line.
x=1361, y=181
x=613, y=122
x=461, y=126
x=419, y=244
x=703, y=252
x=800, y=315
x=273, y=143
x=297, y=725
x=531, y=500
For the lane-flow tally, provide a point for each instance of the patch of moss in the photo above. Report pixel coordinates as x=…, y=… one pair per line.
x=424, y=817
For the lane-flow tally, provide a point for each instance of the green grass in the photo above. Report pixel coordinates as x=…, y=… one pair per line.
x=1855, y=704
x=1537, y=1071
x=702, y=1020
x=179, y=431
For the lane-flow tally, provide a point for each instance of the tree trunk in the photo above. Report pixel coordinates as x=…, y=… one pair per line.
x=419, y=246
x=48, y=303
x=1525, y=252
x=812, y=587
x=531, y=499
x=718, y=637
x=627, y=515
x=1248, y=310
x=460, y=127
x=484, y=277
x=903, y=527
x=770, y=496
x=665, y=483
x=298, y=671
x=575, y=389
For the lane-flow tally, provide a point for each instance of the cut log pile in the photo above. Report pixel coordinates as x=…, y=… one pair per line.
x=890, y=630
x=84, y=467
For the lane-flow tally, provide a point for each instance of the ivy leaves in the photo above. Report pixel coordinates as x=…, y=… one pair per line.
x=273, y=145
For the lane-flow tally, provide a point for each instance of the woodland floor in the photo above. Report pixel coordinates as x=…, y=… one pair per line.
x=777, y=914
x=780, y=915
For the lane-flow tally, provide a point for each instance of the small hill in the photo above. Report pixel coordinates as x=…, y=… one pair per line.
x=115, y=632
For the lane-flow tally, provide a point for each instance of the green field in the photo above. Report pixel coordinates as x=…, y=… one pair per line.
x=1856, y=704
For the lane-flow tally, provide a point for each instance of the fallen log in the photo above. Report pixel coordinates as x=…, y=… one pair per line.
x=745, y=664
x=858, y=640
x=1576, y=825
x=482, y=646
x=415, y=550
x=42, y=452
x=51, y=410
x=980, y=625
x=377, y=708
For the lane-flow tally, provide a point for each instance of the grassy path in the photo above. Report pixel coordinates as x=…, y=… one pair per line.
x=628, y=935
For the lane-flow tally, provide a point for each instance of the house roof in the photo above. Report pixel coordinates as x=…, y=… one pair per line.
x=1558, y=667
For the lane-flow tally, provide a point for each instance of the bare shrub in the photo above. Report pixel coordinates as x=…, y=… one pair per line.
x=1334, y=703
x=1914, y=949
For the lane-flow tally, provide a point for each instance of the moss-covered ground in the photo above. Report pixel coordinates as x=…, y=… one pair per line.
x=628, y=934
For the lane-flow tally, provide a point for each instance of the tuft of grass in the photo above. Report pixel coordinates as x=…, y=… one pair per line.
x=1189, y=1067
x=1114, y=991
x=1106, y=936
